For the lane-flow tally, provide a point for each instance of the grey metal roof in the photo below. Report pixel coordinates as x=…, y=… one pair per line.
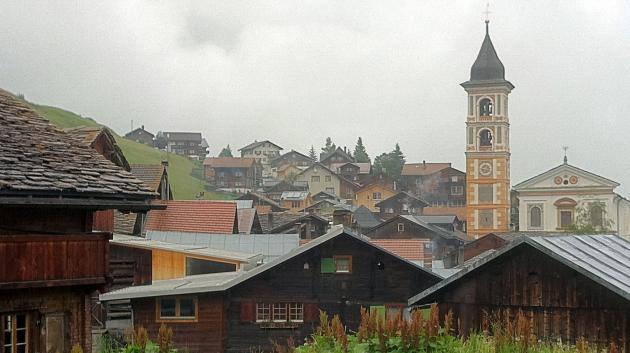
x=189, y=249
x=487, y=66
x=365, y=218
x=270, y=246
x=294, y=195
x=223, y=281
x=605, y=259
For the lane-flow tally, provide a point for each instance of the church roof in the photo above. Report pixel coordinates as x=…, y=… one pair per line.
x=487, y=68
x=564, y=168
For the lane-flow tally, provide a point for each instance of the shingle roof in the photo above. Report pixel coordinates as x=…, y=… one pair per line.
x=38, y=159
x=323, y=157
x=221, y=282
x=365, y=218
x=150, y=174
x=194, y=216
x=410, y=249
x=229, y=162
x=89, y=134
x=423, y=168
x=605, y=259
x=246, y=220
x=124, y=223
x=403, y=194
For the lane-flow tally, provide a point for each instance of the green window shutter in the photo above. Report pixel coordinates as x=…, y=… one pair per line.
x=378, y=310
x=328, y=265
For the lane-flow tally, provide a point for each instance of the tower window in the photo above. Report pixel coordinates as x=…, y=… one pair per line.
x=485, y=138
x=486, y=108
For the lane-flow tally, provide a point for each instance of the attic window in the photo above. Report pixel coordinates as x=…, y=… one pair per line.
x=401, y=227
x=343, y=264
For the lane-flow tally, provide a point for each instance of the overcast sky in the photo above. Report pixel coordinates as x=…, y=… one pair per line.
x=295, y=72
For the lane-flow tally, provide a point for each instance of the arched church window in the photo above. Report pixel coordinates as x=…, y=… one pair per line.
x=597, y=216
x=485, y=138
x=535, y=217
x=486, y=108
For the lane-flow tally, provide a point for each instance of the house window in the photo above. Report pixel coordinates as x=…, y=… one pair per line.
x=296, y=312
x=263, y=312
x=280, y=312
x=343, y=264
x=454, y=178
x=401, y=227
x=327, y=178
x=535, y=217
x=330, y=191
x=389, y=210
x=376, y=196
x=457, y=190
x=177, y=308
x=14, y=333
x=315, y=178
x=486, y=193
x=296, y=204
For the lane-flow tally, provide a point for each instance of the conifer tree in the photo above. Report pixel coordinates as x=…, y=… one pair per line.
x=360, y=154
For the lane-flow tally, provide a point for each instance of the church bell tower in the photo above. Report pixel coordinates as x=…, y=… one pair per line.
x=487, y=144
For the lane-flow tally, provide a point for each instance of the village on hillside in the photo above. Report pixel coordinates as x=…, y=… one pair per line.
x=97, y=252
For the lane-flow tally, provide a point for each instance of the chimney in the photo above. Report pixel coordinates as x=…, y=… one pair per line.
x=165, y=162
x=142, y=127
x=424, y=164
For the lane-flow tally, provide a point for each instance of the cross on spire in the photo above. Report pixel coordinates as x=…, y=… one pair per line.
x=565, y=148
x=487, y=13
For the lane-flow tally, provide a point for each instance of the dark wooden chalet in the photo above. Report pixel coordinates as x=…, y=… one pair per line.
x=140, y=135
x=567, y=287
x=274, y=192
x=51, y=261
x=292, y=157
x=262, y=203
x=340, y=155
x=403, y=203
x=308, y=226
x=444, y=246
x=242, y=312
x=437, y=183
x=232, y=173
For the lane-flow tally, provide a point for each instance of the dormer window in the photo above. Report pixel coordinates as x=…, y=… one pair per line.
x=486, y=108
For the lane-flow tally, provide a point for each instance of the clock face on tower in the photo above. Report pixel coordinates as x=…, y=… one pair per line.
x=485, y=169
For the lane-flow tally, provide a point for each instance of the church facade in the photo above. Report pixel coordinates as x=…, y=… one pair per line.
x=568, y=198
x=487, y=144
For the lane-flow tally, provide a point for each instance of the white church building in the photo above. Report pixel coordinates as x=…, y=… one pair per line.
x=565, y=195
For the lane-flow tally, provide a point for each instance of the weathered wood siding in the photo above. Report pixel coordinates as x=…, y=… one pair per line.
x=168, y=264
x=337, y=294
x=53, y=260
x=559, y=302
x=130, y=266
x=206, y=335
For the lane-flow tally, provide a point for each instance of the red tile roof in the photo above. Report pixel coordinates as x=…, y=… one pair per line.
x=423, y=168
x=409, y=249
x=194, y=216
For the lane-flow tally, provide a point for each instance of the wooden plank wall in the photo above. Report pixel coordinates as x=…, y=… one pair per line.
x=48, y=258
x=168, y=264
x=207, y=334
x=559, y=302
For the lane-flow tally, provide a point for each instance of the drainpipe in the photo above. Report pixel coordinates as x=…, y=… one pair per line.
x=618, y=198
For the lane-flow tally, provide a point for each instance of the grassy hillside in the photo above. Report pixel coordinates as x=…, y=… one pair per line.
x=184, y=185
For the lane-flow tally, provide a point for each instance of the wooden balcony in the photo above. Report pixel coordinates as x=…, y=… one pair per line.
x=44, y=260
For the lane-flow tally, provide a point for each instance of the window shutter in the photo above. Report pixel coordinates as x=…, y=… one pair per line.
x=328, y=265
x=311, y=312
x=248, y=312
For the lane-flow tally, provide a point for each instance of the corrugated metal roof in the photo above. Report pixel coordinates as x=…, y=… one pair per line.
x=605, y=259
x=190, y=249
x=269, y=245
x=220, y=282
x=294, y=195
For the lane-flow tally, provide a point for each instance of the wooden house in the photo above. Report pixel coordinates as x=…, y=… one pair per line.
x=356, y=172
x=287, y=172
x=371, y=194
x=339, y=273
x=292, y=158
x=348, y=189
x=440, y=243
x=51, y=260
x=402, y=203
x=232, y=173
x=140, y=135
x=189, y=144
x=295, y=201
x=262, y=203
x=567, y=287
x=437, y=183
x=340, y=155
x=308, y=226
x=275, y=191
x=195, y=216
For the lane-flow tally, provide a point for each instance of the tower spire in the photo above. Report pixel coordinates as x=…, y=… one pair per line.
x=487, y=13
